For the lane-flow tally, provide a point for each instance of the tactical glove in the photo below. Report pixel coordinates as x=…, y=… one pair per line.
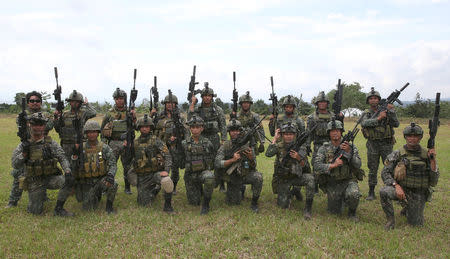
x=261, y=148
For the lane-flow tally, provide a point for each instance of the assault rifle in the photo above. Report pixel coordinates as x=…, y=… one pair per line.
x=274, y=99
x=433, y=124
x=242, y=140
x=295, y=145
x=129, y=149
x=393, y=97
x=337, y=104
x=192, y=83
x=78, y=151
x=59, y=102
x=22, y=132
x=235, y=98
x=349, y=137
x=178, y=130
x=154, y=96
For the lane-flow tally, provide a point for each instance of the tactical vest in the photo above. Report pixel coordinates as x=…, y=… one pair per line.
x=285, y=170
x=147, y=163
x=94, y=163
x=211, y=119
x=119, y=124
x=248, y=122
x=198, y=156
x=41, y=160
x=245, y=164
x=321, y=120
x=68, y=133
x=165, y=129
x=343, y=172
x=417, y=169
x=379, y=132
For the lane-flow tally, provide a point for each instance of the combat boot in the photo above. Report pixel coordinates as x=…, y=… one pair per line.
x=254, y=205
x=60, y=211
x=174, y=192
x=168, y=203
x=390, y=224
x=316, y=188
x=307, y=211
x=109, y=207
x=352, y=215
x=297, y=193
x=222, y=186
x=127, y=187
x=403, y=212
x=11, y=204
x=371, y=196
x=205, y=205
x=243, y=187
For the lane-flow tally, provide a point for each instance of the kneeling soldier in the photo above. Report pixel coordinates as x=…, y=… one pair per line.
x=240, y=167
x=339, y=177
x=151, y=166
x=39, y=157
x=198, y=176
x=408, y=175
x=291, y=167
x=97, y=171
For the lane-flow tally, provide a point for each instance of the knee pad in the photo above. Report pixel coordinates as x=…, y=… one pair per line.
x=167, y=184
x=132, y=177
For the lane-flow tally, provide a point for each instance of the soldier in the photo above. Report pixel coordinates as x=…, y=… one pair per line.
x=38, y=159
x=340, y=176
x=289, y=105
x=408, y=175
x=292, y=173
x=214, y=122
x=34, y=104
x=198, y=177
x=151, y=165
x=166, y=130
x=114, y=126
x=240, y=167
x=379, y=133
x=97, y=174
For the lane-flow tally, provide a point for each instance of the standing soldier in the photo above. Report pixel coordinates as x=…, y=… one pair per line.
x=34, y=104
x=214, y=122
x=38, y=158
x=198, y=176
x=98, y=170
x=379, y=132
x=114, y=126
x=340, y=175
x=151, y=164
x=240, y=166
x=291, y=167
x=171, y=134
x=408, y=175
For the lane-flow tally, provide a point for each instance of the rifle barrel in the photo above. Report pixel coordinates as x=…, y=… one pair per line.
x=403, y=88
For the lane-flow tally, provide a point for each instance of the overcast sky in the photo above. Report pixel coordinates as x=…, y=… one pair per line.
x=305, y=45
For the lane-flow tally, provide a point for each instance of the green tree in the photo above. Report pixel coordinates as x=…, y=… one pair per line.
x=261, y=107
x=352, y=97
x=18, y=98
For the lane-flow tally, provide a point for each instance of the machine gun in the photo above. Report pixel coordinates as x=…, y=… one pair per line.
x=393, y=97
x=337, y=104
x=295, y=145
x=192, y=83
x=433, y=124
x=59, y=102
x=235, y=98
x=274, y=99
x=129, y=148
x=178, y=130
x=154, y=96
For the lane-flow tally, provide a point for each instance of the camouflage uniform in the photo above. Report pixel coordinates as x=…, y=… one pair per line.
x=340, y=183
x=198, y=176
x=417, y=180
x=239, y=173
x=380, y=140
x=165, y=129
x=291, y=174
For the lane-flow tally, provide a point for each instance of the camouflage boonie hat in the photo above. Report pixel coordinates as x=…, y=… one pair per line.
x=246, y=98
x=288, y=128
x=289, y=100
x=144, y=121
x=321, y=98
x=334, y=124
x=372, y=93
x=167, y=99
x=91, y=125
x=234, y=125
x=413, y=129
x=37, y=118
x=119, y=93
x=195, y=121
x=207, y=90
x=75, y=96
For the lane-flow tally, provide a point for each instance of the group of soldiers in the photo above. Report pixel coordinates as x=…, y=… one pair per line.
x=200, y=146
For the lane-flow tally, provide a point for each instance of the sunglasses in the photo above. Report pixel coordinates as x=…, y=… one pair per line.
x=34, y=101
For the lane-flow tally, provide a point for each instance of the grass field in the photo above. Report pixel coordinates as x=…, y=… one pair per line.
x=226, y=231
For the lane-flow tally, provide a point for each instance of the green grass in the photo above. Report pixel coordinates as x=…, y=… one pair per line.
x=226, y=231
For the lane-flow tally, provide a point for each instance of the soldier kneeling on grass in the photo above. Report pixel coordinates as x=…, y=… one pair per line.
x=150, y=166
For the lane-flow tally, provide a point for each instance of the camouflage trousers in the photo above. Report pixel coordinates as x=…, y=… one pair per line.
x=415, y=204
x=148, y=186
x=118, y=151
x=16, y=192
x=340, y=193
x=235, y=182
x=92, y=189
x=320, y=180
x=37, y=188
x=198, y=184
x=285, y=184
x=375, y=150
x=277, y=177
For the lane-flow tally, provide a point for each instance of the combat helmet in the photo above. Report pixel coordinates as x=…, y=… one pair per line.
x=234, y=124
x=144, y=121
x=413, y=129
x=246, y=98
x=372, y=93
x=207, y=91
x=288, y=127
x=168, y=99
x=195, y=121
x=322, y=97
x=91, y=125
x=75, y=96
x=120, y=93
x=289, y=100
x=334, y=124
x=37, y=118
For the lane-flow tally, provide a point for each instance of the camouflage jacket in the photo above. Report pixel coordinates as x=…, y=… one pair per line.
x=244, y=164
x=115, y=122
x=107, y=155
x=165, y=127
x=214, y=119
x=201, y=152
x=249, y=120
x=285, y=119
x=150, y=149
x=319, y=135
x=65, y=126
x=280, y=149
x=373, y=129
